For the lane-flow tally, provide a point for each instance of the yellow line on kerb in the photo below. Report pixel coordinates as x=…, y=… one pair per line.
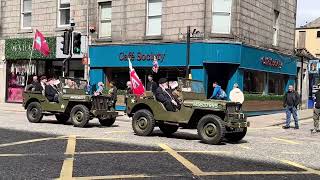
x=286, y=140
x=134, y=176
x=193, y=168
x=67, y=167
x=28, y=141
x=301, y=167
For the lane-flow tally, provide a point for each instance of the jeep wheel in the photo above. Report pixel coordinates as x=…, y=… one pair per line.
x=106, y=122
x=62, y=118
x=80, y=116
x=211, y=129
x=34, y=112
x=143, y=122
x=236, y=136
x=168, y=129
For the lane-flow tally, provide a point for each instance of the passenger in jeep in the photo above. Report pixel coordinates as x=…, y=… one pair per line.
x=163, y=96
x=51, y=92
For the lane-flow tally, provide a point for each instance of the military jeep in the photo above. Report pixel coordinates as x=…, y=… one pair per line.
x=213, y=119
x=74, y=103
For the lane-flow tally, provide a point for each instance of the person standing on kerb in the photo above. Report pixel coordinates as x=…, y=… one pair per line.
x=290, y=102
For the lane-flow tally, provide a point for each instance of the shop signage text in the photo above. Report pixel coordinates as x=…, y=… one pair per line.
x=141, y=56
x=271, y=62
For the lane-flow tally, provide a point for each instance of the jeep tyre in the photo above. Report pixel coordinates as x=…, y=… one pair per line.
x=143, y=122
x=62, y=118
x=106, y=122
x=211, y=129
x=80, y=115
x=34, y=112
x=168, y=129
x=236, y=136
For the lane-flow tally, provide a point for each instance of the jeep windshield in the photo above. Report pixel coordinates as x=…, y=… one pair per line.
x=188, y=85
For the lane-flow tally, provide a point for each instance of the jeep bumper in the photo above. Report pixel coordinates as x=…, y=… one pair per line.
x=238, y=124
x=105, y=113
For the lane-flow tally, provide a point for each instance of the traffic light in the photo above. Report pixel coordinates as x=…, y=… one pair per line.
x=66, y=42
x=76, y=43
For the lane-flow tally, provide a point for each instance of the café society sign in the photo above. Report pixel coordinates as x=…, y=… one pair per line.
x=139, y=56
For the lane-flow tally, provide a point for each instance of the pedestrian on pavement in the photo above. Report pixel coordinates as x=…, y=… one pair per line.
x=316, y=112
x=151, y=85
x=290, y=102
x=113, y=93
x=218, y=92
x=236, y=95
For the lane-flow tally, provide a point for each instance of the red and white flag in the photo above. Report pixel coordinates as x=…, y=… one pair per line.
x=155, y=67
x=137, y=86
x=40, y=43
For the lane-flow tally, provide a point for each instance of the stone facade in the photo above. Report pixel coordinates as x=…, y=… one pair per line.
x=44, y=18
x=252, y=20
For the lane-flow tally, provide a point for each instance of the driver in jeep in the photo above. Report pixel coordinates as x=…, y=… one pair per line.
x=163, y=96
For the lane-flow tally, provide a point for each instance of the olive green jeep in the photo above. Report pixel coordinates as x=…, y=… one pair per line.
x=74, y=103
x=213, y=119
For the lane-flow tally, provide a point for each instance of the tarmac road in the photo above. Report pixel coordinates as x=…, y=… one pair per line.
x=49, y=150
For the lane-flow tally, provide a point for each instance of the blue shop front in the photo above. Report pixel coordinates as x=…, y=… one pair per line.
x=256, y=70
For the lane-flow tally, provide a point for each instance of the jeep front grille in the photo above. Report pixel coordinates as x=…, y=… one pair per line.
x=100, y=103
x=234, y=108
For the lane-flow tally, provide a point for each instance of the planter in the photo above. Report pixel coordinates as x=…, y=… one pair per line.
x=258, y=105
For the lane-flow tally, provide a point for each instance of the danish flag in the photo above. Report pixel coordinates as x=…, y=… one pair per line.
x=137, y=86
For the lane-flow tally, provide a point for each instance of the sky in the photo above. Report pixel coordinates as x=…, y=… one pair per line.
x=308, y=10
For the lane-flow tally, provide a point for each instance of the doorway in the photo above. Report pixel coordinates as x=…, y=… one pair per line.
x=220, y=73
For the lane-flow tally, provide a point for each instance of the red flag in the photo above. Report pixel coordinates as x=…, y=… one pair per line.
x=137, y=86
x=40, y=44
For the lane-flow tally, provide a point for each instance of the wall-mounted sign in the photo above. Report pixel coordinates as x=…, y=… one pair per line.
x=141, y=56
x=271, y=62
x=314, y=66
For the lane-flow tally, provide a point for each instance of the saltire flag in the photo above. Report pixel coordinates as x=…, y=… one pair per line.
x=137, y=86
x=155, y=66
x=40, y=43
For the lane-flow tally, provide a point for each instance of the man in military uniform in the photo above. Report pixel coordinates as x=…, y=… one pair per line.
x=163, y=96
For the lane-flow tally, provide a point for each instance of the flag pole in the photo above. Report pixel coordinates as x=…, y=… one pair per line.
x=29, y=64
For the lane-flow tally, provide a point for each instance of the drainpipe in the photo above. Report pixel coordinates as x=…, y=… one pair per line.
x=301, y=79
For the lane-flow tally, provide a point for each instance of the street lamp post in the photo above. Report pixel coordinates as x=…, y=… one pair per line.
x=188, y=53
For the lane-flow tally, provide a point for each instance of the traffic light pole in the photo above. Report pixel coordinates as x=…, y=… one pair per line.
x=66, y=70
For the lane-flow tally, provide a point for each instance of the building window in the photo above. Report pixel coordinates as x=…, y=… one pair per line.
x=318, y=34
x=105, y=19
x=221, y=16
x=254, y=82
x=64, y=12
x=276, y=84
x=26, y=13
x=154, y=15
x=275, y=28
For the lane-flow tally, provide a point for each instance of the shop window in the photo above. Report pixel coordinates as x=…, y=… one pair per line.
x=221, y=16
x=276, y=84
x=254, y=82
x=63, y=12
x=318, y=34
x=154, y=16
x=26, y=14
x=275, y=28
x=17, y=76
x=105, y=12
